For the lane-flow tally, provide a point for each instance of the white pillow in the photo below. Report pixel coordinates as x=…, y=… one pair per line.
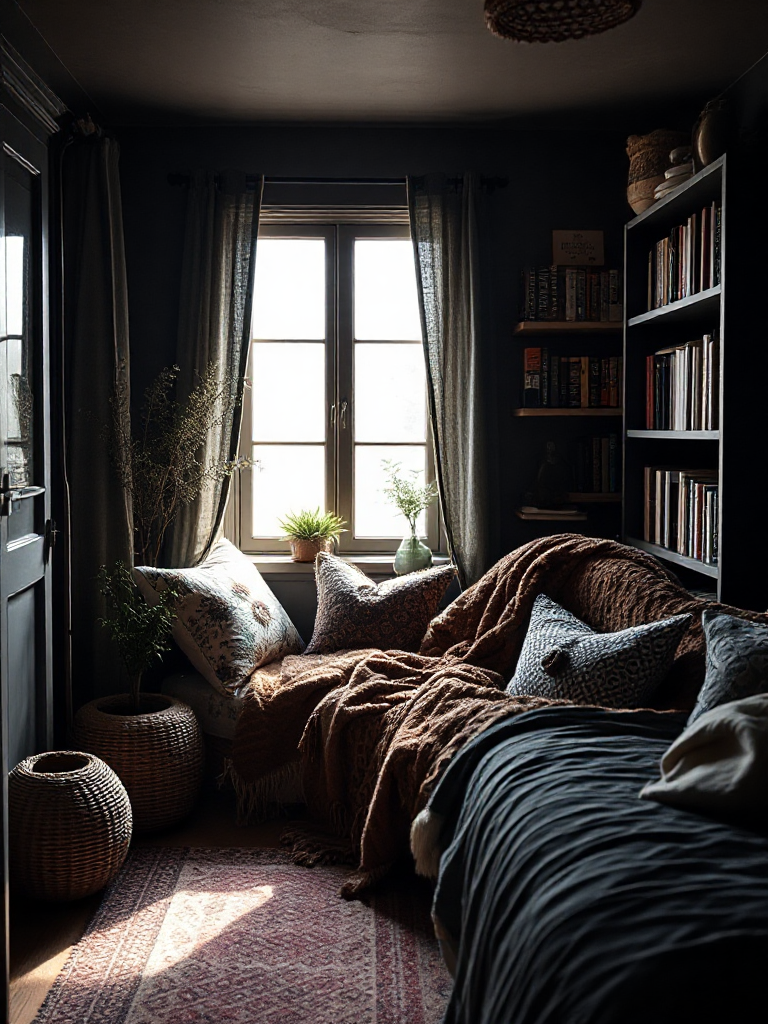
x=720, y=764
x=228, y=622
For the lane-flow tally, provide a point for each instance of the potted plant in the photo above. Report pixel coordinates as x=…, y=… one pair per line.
x=410, y=498
x=309, y=531
x=163, y=464
x=151, y=741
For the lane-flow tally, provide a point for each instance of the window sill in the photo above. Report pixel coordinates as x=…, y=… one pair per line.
x=371, y=565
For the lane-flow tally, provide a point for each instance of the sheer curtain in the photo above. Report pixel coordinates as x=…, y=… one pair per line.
x=214, y=326
x=96, y=368
x=446, y=216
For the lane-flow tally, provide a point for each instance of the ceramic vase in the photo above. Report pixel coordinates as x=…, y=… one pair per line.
x=412, y=555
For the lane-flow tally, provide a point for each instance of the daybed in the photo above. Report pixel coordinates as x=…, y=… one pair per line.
x=561, y=896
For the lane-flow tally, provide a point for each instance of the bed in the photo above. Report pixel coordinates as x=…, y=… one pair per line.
x=562, y=897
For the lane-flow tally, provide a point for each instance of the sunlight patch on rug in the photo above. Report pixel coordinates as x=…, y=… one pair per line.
x=239, y=935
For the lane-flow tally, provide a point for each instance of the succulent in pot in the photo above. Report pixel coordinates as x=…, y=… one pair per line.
x=309, y=531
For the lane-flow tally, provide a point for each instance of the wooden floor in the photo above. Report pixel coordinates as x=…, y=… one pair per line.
x=42, y=934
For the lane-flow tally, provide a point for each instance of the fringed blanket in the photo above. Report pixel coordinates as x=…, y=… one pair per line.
x=371, y=731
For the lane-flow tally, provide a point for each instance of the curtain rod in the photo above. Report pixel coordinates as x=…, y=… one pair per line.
x=252, y=179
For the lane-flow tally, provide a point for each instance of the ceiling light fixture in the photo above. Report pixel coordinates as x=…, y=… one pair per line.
x=552, y=21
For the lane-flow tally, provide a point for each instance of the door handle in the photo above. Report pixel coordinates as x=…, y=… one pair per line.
x=10, y=494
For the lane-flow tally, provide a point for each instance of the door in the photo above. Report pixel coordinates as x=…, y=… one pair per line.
x=25, y=529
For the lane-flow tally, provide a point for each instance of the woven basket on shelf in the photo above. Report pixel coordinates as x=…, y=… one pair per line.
x=158, y=754
x=69, y=825
x=648, y=160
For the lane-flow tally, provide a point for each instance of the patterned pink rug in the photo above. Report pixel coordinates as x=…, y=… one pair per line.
x=187, y=936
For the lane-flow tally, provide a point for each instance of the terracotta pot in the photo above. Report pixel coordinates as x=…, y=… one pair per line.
x=648, y=159
x=305, y=549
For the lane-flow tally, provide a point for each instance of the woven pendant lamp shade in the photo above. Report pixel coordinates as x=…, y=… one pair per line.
x=553, y=21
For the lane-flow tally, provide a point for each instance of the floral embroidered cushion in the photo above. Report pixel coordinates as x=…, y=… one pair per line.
x=228, y=621
x=737, y=660
x=354, y=612
x=564, y=658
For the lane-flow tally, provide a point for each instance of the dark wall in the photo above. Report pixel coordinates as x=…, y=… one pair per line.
x=562, y=179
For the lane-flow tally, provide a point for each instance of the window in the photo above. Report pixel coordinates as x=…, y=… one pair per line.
x=337, y=381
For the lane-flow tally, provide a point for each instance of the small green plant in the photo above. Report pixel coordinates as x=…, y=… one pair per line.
x=141, y=631
x=407, y=495
x=312, y=525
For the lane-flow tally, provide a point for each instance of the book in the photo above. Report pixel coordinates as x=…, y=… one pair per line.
x=574, y=382
x=531, y=377
x=584, y=381
x=554, y=381
x=544, y=388
x=594, y=381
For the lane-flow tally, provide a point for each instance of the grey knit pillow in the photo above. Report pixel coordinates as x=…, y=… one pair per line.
x=737, y=660
x=355, y=612
x=564, y=658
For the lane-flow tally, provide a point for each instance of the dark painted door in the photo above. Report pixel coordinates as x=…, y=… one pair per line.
x=25, y=529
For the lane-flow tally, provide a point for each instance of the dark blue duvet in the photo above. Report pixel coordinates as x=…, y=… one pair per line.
x=570, y=900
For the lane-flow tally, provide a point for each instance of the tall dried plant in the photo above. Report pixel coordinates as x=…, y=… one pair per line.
x=165, y=462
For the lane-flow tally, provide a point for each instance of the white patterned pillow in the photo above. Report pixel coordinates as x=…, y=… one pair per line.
x=228, y=622
x=563, y=658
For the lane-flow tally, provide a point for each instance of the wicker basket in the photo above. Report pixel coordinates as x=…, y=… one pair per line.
x=648, y=160
x=69, y=825
x=158, y=754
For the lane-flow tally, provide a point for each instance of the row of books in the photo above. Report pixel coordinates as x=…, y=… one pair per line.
x=571, y=293
x=597, y=464
x=687, y=260
x=682, y=386
x=681, y=511
x=570, y=382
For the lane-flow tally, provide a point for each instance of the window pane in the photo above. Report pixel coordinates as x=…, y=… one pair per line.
x=288, y=391
x=386, y=303
x=289, y=288
x=390, y=393
x=286, y=478
x=375, y=516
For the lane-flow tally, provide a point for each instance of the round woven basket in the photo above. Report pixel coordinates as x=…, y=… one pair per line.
x=648, y=160
x=69, y=825
x=158, y=754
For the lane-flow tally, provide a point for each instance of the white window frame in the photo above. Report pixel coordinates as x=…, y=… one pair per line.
x=339, y=403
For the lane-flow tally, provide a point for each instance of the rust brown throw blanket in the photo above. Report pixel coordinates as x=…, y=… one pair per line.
x=373, y=730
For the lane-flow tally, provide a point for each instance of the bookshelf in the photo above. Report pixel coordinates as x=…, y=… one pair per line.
x=695, y=371
x=573, y=428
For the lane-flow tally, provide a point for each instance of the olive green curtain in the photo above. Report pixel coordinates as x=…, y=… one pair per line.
x=447, y=218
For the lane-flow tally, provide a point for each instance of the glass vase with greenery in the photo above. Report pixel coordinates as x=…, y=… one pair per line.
x=141, y=631
x=411, y=499
x=309, y=531
x=164, y=463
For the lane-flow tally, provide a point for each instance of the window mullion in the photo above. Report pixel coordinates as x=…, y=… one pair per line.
x=345, y=414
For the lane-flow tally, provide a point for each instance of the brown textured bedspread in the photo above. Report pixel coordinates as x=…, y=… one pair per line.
x=374, y=730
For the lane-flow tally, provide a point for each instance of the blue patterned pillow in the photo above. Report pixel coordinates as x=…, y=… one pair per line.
x=737, y=660
x=564, y=659
x=228, y=622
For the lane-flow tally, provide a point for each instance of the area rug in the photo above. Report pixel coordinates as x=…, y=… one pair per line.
x=234, y=936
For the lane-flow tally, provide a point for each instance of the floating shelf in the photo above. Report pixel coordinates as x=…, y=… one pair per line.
x=577, y=517
x=559, y=411
x=672, y=556
x=676, y=435
x=568, y=327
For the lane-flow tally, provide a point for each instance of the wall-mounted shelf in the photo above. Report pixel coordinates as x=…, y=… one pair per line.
x=704, y=303
x=559, y=411
x=676, y=435
x=531, y=327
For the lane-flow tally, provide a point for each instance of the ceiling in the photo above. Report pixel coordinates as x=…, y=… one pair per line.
x=176, y=61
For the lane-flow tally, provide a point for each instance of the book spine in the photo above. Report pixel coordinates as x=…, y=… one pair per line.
x=613, y=381
x=604, y=382
x=605, y=465
x=615, y=304
x=650, y=387
x=542, y=293
x=613, y=463
x=574, y=382
x=531, y=377
x=570, y=293
x=544, y=391
x=581, y=294
x=554, y=381
x=584, y=382
x=604, y=294
x=594, y=381
x=597, y=470
x=565, y=382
